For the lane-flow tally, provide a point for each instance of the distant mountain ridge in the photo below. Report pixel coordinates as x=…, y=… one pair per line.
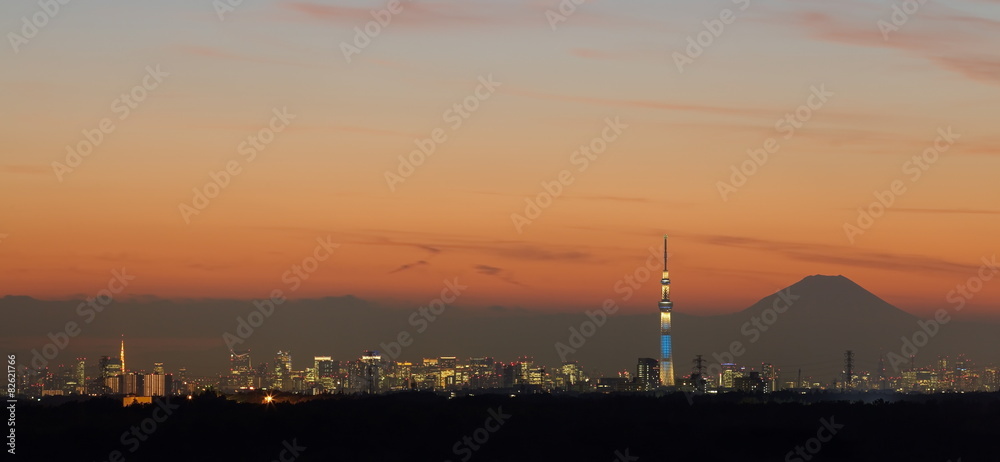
x=821, y=317
x=812, y=323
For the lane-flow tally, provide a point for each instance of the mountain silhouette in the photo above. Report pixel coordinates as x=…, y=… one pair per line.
x=827, y=316
x=812, y=323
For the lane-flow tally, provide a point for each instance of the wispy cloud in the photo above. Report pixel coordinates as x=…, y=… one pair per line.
x=425, y=14
x=498, y=273
x=946, y=37
x=840, y=255
x=435, y=15
x=407, y=266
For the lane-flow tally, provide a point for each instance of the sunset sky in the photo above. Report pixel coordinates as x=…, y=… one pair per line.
x=223, y=73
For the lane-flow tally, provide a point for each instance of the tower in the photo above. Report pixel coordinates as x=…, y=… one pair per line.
x=123, y=355
x=666, y=306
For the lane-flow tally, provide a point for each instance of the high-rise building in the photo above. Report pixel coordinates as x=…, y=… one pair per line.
x=110, y=375
x=158, y=369
x=666, y=307
x=574, y=377
x=240, y=369
x=647, y=372
x=482, y=372
x=285, y=359
x=132, y=384
x=371, y=362
x=323, y=366
x=282, y=373
x=729, y=375
x=750, y=382
x=325, y=369
x=157, y=384
x=181, y=384
x=770, y=377
x=991, y=378
x=522, y=370
x=536, y=376
x=80, y=376
x=64, y=380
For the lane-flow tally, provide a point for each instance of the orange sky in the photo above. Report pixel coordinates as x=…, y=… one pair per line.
x=324, y=173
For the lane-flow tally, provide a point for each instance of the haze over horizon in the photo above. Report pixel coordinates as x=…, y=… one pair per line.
x=810, y=334
x=632, y=306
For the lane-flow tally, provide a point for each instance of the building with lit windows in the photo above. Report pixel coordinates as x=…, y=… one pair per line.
x=240, y=370
x=751, y=383
x=729, y=375
x=157, y=384
x=647, y=372
x=920, y=380
x=109, y=380
x=281, y=374
x=482, y=373
x=132, y=383
x=574, y=377
x=770, y=377
x=991, y=378
x=371, y=362
x=80, y=376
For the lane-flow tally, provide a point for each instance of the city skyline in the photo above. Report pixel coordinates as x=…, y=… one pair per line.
x=600, y=347
x=939, y=374
x=449, y=373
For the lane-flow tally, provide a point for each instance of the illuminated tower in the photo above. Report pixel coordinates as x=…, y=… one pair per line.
x=123, y=354
x=666, y=306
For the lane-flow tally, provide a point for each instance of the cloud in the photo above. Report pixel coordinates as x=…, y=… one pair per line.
x=941, y=35
x=438, y=244
x=490, y=270
x=497, y=272
x=407, y=266
x=841, y=255
x=427, y=15
x=436, y=15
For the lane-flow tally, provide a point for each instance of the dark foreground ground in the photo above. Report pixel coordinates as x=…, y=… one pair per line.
x=593, y=427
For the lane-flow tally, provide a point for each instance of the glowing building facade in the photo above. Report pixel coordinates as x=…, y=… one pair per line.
x=666, y=306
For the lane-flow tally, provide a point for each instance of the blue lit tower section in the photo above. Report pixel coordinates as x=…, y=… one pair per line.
x=666, y=306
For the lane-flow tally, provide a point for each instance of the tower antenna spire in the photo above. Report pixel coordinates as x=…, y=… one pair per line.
x=664, y=252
